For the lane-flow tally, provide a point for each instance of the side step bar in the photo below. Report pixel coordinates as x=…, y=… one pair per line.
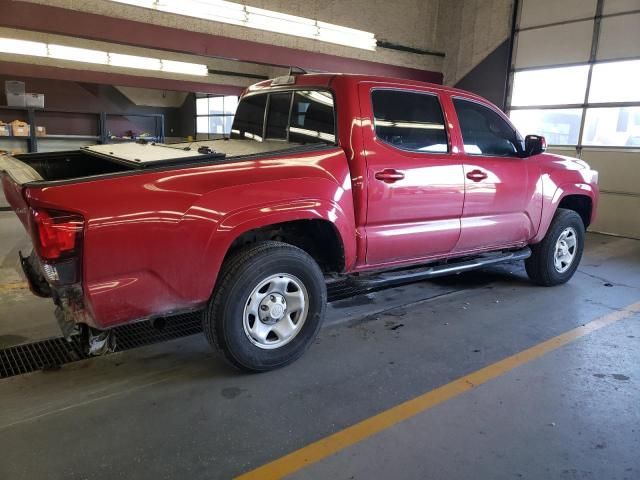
x=398, y=277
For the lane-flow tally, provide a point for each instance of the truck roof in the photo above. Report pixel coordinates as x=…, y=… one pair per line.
x=324, y=80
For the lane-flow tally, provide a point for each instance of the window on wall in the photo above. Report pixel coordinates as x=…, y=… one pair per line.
x=214, y=115
x=559, y=126
x=585, y=95
x=550, y=86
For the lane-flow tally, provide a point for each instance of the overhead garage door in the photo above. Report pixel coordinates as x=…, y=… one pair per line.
x=574, y=78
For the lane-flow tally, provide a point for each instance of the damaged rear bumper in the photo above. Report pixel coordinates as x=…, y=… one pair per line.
x=35, y=277
x=60, y=284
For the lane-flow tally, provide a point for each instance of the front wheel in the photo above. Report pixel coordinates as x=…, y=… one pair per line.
x=555, y=259
x=267, y=308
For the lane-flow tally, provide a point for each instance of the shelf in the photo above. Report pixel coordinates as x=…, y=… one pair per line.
x=68, y=137
x=34, y=114
x=7, y=107
x=14, y=137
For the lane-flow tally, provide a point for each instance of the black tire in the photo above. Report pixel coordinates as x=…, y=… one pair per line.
x=240, y=275
x=540, y=265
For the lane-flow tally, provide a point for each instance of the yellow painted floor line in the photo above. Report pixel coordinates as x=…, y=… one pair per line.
x=5, y=287
x=332, y=444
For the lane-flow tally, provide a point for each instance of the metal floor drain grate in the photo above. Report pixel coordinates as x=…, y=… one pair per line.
x=45, y=354
x=52, y=353
x=55, y=352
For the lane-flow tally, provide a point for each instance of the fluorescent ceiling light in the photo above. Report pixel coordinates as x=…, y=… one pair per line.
x=62, y=52
x=134, y=61
x=184, y=67
x=74, y=54
x=262, y=19
x=23, y=47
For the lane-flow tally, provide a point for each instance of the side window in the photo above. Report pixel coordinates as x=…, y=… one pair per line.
x=484, y=132
x=249, y=118
x=308, y=117
x=278, y=115
x=409, y=120
x=312, y=117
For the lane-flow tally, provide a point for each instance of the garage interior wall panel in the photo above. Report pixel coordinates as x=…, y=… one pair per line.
x=544, y=12
x=619, y=37
x=618, y=215
x=556, y=45
x=620, y=6
x=619, y=170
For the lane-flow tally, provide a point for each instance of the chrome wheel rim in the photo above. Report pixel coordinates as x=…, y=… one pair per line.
x=565, y=251
x=275, y=311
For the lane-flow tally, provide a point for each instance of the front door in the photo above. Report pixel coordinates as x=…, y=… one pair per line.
x=415, y=186
x=501, y=204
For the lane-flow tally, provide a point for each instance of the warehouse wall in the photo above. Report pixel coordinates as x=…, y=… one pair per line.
x=471, y=30
x=489, y=77
x=91, y=98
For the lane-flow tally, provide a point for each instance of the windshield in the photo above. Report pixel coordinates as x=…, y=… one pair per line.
x=300, y=116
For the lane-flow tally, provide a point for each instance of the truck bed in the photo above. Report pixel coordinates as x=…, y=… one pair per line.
x=108, y=159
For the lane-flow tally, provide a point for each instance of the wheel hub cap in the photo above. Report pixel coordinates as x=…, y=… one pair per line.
x=565, y=251
x=275, y=311
x=272, y=308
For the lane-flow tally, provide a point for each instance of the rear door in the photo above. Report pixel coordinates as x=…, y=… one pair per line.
x=415, y=185
x=501, y=204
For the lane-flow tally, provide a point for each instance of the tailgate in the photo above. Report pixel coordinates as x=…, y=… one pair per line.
x=15, y=174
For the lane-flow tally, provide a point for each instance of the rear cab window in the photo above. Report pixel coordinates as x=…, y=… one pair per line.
x=409, y=120
x=297, y=117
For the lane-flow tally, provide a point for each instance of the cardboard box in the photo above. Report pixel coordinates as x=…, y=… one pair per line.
x=20, y=128
x=41, y=131
x=14, y=87
x=5, y=129
x=34, y=100
x=15, y=93
x=16, y=100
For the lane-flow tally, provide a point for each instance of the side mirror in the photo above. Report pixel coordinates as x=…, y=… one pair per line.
x=534, y=144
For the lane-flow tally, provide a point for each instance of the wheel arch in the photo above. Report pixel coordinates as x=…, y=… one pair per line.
x=579, y=197
x=319, y=227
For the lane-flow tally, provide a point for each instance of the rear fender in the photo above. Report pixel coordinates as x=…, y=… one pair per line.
x=239, y=209
x=253, y=218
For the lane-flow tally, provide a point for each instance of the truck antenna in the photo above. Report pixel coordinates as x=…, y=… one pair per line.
x=296, y=71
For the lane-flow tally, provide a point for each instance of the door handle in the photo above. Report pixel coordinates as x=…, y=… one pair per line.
x=389, y=175
x=476, y=175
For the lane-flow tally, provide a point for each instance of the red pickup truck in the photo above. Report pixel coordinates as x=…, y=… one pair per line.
x=376, y=179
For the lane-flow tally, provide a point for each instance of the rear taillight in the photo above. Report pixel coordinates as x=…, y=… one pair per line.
x=56, y=235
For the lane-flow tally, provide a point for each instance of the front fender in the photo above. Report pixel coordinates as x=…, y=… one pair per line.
x=550, y=204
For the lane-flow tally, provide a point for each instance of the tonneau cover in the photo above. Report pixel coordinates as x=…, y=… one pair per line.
x=140, y=155
x=20, y=172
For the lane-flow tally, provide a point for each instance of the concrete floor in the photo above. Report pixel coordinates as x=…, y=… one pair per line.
x=174, y=411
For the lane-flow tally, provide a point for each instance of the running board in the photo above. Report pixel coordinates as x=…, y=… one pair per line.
x=398, y=277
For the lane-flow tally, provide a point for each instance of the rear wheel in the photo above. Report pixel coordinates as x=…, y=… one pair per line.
x=267, y=308
x=556, y=258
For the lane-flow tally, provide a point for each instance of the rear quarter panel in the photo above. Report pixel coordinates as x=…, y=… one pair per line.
x=154, y=242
